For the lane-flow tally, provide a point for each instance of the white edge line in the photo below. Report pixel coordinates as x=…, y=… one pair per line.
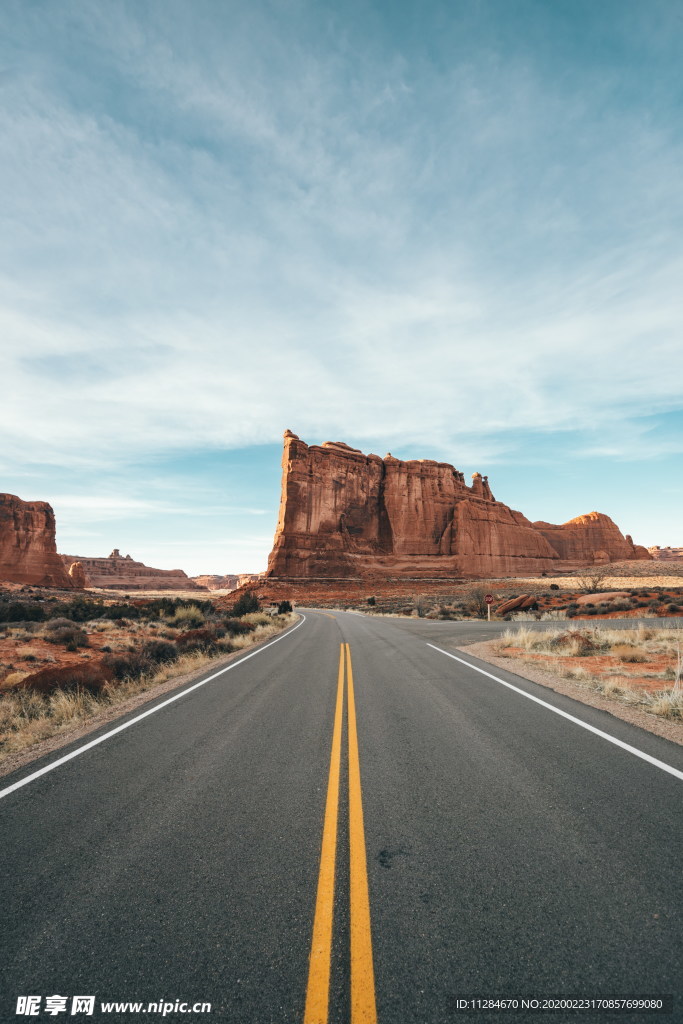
x=571, y=718
x=138, y=718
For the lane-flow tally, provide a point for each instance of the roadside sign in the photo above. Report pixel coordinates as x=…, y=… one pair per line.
x=489, y=598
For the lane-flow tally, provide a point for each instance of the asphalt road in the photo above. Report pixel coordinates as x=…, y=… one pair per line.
x=499, y=849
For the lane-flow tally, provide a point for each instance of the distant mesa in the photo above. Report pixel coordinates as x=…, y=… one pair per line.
x=121, y=572
x=345, y=515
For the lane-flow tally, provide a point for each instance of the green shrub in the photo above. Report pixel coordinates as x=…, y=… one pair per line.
x=246, y=603
x=284, y=607
x=19, y=611
x=122, y=611
x=82, y=610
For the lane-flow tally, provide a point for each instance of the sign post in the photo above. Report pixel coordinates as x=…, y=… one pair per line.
x=489, y=602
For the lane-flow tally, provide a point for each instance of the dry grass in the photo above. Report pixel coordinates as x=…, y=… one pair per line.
x=27, y=717
x=639, y=645
x=629, y=653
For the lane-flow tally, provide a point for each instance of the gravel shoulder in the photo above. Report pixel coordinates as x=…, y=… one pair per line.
x=668, y=730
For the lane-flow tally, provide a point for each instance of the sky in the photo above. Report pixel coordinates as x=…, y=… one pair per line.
x=447, y=230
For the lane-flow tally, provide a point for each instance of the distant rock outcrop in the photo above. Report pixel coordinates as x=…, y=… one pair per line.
x=28, y=550
x=78, y=575
x=212, y=582
x=666, y=554
x=229, y=581
x=119, y=572
x=347, y=515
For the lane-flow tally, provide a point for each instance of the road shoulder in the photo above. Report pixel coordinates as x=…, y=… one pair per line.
x=668, y=730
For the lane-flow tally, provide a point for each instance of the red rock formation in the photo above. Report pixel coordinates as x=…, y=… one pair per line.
x=28, y=551
x=516, y=604
x=590, y=538
x=347, y=515
x=215, y=582
x=78, y=576
x=666, y=554
x=123, y=573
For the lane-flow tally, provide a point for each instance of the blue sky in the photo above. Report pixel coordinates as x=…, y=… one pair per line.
x=442, y=229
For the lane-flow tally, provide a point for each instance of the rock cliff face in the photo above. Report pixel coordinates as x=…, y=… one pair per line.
x=28, y=551
x=348, y=515
x=119, y=572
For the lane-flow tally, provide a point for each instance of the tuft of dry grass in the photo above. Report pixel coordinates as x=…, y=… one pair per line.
x=628, y=652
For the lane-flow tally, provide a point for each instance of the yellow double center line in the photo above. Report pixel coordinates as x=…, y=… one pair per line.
x=363, y=1008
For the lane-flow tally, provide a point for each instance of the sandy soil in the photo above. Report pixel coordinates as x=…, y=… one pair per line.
x=664, y=727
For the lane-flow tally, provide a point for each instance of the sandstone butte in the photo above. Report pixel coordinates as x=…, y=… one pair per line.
x=28, y=549
x=121, y=572
x=345, y=515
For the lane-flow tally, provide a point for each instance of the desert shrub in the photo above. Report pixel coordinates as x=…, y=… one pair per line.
x=554, y=586
x=165, y=607
x=258, y=618
x=372, y=600
x=20, y=611
x=592, y=580
x=284, y=607
x=476, y=604
x=127, y=666
x=70, y=635
x=247, y=602
x=57, y=623
x=236, y=626
x=122, y=611
x=195, y=639
x=160, y=651
x=619, y=606
x=187, y=615
x=673, y=607
x=583, y=644
x=82, y=610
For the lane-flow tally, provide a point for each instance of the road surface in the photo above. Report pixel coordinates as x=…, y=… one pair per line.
x=349, y=824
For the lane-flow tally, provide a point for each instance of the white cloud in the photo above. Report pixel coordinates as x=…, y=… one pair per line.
x=257, y=243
